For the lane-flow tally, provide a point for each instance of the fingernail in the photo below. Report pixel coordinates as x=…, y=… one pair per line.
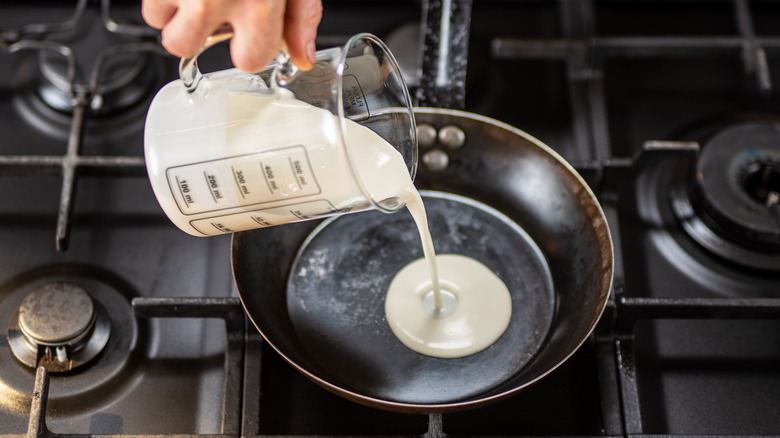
x=310, y=51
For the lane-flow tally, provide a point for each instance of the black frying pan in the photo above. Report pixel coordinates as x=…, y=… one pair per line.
x=315, y=290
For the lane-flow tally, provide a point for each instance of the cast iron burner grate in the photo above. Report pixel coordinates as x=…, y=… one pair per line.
x=614, y=346
x=618, y=408
x=64, y=90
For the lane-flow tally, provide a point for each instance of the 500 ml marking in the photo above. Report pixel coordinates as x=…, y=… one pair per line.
x=297, y=170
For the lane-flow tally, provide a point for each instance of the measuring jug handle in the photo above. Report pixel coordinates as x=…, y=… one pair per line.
x=188, y=67
x=190, y=73
x=285, y=69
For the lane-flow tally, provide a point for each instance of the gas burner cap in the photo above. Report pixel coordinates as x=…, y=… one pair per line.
x=114, y=70
x=730, y=201
x=56, y=313
x=125, y=78
x=59, y=327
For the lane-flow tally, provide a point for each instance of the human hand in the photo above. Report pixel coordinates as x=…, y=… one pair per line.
x=259, y=26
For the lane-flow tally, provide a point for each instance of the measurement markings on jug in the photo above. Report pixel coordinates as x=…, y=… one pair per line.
x=238, y=177
x=213, y=184
x=184, y=188
x=265, y=217
x=263, y=222
x=355, y=103
x=296, y=171
x=258, y=178
x=268, y=172
x=221, y=227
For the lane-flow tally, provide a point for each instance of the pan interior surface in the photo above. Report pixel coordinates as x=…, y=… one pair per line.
x=337, y=285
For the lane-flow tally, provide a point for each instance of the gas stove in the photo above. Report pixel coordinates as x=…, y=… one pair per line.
x=120, y=324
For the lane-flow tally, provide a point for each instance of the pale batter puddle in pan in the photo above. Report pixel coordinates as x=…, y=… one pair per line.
x=447, y=307
x=474, y=311
x=336, y=296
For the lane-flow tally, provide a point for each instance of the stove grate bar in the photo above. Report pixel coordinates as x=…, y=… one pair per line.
x=37, y=426
x=37, y=423
x=69, y=176
x=605, y=347
x=627, y=383
x=232, y=312
x=754, y=57
x=586, y=84
x=33, y=164
x=632, y=309
x=124, y=28
x=81, y=97
x=585, y=54
x=629, y=310
x=69, y=167
x=38, y=29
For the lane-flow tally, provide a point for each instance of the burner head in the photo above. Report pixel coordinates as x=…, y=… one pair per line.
x=59, y=327
x=738, y=182
x=730, y=202
x=125, y=78
x=114, y=70
x=56, y=313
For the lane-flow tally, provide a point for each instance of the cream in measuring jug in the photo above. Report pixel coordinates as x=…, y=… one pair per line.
x=232, y=151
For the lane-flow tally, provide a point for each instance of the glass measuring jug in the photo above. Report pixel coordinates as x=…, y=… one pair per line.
x=231, y=151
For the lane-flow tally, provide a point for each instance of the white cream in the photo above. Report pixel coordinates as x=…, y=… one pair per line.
x=447, y=306
x=476, y=313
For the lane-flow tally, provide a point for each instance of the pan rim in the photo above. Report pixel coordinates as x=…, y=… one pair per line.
x=606, y=245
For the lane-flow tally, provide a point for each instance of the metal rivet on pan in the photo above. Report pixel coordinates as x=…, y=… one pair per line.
x=435, y=160
x=452, y=137
x=426, y=135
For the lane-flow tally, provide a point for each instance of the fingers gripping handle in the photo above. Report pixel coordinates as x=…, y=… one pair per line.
x=188, y=67
x=190, y=73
